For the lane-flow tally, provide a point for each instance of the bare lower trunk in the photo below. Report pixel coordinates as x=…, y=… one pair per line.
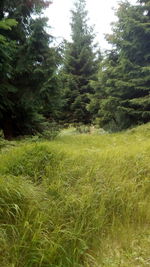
x=8, y=129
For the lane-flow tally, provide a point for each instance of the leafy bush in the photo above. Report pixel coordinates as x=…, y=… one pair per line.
x=51, y=131
x=81, y=128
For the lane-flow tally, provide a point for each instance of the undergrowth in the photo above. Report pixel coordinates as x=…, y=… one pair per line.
x=79, y=201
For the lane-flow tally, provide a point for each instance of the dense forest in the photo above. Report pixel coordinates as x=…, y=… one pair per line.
x=74, y=82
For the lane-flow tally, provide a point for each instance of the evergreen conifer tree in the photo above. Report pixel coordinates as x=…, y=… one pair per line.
x=124, y=81
x=79, y=67
x=29, y=80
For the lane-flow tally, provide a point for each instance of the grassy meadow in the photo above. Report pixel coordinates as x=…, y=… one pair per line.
x=82, y=200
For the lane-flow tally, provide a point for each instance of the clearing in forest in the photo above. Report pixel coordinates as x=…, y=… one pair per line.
x=80, y=200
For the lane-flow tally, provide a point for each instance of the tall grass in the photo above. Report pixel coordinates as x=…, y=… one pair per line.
x=81, y=200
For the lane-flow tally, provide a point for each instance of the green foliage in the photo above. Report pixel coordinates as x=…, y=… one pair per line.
x=81, y=200
x=122, y=91
x=79, y=68
x=51, y=131
x=6, y=24
x=29, y=85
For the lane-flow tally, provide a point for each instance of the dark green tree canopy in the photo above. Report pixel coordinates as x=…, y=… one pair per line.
x=124, y=81
x=79, y=66
x=28, y=68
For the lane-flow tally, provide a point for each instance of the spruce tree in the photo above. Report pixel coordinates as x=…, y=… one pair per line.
x=29, y=71
x=124, y=82
x=79, y=67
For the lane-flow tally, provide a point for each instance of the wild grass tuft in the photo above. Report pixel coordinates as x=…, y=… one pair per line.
x=79, y=201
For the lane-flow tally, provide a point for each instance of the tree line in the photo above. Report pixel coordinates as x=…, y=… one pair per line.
x=73, y=82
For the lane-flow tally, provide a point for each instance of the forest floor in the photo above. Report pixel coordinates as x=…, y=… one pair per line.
x=82, y=200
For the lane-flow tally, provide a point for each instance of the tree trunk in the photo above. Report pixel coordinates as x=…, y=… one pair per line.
x=8, y=128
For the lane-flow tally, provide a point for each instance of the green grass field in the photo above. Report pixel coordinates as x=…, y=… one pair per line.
x=82, y=200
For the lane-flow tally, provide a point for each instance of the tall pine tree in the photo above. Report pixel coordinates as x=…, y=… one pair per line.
x=79, y=67
x=124, y=81
x=29, y=86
